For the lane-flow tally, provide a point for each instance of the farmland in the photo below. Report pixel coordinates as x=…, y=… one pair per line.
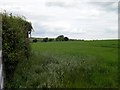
x=71, y=64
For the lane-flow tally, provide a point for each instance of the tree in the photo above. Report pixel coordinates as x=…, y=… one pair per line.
x=35, y=40
x=50, y=40
x=66, y=38
x=45, y=39
x=60, y=38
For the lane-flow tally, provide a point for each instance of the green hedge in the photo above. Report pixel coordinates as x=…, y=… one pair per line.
x=15, y=41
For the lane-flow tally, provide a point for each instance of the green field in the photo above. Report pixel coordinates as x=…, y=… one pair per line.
x=77, y=64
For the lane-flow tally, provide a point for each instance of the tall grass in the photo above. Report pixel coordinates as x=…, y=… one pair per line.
x=82, y=64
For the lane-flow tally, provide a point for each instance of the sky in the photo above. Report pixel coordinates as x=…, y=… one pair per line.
x=76, y=19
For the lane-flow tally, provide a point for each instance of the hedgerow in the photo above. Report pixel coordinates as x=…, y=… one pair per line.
x=15, y=42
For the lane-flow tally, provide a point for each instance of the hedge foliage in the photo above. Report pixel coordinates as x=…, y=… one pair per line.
x=15, y=41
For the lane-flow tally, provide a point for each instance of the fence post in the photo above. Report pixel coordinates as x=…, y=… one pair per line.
x=1, y=63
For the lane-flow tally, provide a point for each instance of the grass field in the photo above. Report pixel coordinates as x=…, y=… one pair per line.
x=77, y=64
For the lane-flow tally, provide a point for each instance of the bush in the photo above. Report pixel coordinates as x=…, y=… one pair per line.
x=45, y=39
x=60, y=38
x=35, y=40
x=15, y=42
x=66, y=38
x=50, y=40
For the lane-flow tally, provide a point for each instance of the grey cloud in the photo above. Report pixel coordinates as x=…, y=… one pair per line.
x=39, y=29
x=43, y=17
x=44, y=31
x=108, y=6
x=58, y=29
x=58, y=4
x=111, y=31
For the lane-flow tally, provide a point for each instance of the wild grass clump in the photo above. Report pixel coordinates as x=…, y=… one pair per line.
x=53, y=72
x=71, y=65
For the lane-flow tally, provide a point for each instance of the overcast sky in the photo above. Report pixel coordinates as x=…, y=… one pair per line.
x=81, y=19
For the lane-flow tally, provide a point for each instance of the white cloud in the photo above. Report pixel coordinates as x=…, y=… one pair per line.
x=84, y=19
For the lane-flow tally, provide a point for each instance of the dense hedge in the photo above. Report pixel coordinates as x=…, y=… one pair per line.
x=15, y=42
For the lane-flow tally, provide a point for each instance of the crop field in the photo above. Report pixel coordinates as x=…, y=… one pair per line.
x=71, y=64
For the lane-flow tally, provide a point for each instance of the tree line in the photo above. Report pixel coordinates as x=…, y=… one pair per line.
x=59, y=38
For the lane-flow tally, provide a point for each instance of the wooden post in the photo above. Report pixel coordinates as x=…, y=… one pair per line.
x=1, y=63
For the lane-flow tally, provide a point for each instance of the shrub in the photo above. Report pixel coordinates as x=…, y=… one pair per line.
x=15, y=42
x=45, y=39
x=60, y=38
x=35, y=40
x=50, y=40
x=66, y=38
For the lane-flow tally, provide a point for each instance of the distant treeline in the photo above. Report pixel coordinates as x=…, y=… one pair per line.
x=15, y=42
x=59, y=38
